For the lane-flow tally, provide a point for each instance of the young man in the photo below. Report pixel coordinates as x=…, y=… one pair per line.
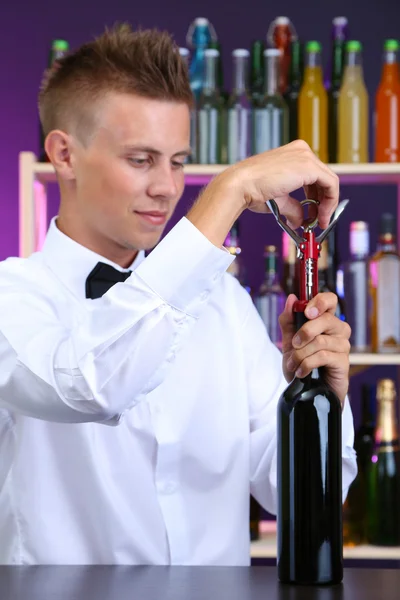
x=137, y=411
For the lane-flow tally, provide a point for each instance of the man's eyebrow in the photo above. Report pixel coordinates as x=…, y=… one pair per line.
x=150, y=150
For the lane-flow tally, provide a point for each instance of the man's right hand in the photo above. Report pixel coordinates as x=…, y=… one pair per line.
x=251, y=182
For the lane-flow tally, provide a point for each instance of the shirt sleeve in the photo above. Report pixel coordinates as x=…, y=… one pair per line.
x=266, y=383
x=121, y=346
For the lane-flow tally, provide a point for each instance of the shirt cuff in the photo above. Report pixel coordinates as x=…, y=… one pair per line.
x=184, y=267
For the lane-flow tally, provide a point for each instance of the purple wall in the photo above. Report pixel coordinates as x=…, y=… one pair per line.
x=27, y=28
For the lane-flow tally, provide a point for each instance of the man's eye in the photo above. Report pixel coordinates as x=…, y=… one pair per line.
x=138, y=161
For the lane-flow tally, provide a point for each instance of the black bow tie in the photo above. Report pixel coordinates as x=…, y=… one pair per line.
x=102, y=278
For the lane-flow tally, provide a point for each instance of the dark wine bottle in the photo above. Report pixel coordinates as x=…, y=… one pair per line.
x=355, y=507
x=291, y=95
x=254, y=519
x=309, y=519
x=383, y=525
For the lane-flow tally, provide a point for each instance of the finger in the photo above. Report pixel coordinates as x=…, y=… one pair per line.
x=287, y=323
x=324, y=358
x=320, y=304
x=323, y=185
x=327, y=324
x=291, y=209
x=321, y=342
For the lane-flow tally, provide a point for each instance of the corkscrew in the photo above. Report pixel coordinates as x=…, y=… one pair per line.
x=308, y=248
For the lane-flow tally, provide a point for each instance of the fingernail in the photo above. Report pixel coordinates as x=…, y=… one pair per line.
x=312, y=312
x=297, y=340
x=299, y=373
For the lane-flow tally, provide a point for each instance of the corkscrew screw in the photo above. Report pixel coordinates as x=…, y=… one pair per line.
x=308, y=248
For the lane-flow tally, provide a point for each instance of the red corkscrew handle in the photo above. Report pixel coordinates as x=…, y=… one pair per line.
x=307, y=271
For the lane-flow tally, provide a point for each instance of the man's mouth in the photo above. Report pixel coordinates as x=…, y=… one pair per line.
x=154, y=217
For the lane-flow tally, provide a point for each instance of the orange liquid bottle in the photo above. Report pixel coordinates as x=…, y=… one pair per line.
x=281, y=33
x=387, y=107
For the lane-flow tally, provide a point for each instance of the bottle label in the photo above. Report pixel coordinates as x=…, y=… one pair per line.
x=388, y=294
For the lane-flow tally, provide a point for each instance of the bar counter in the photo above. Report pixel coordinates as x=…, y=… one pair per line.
x=185, y=583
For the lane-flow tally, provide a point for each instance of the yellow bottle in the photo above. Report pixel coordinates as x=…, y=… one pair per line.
x=313, y=104
x=353, y=109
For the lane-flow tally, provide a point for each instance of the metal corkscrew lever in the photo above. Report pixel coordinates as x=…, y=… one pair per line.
x=308, y=249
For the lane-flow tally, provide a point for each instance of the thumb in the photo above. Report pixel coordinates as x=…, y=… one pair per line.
x=287, y=323
x=291, y=209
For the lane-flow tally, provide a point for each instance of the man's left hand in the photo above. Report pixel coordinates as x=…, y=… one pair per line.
x=321, y=342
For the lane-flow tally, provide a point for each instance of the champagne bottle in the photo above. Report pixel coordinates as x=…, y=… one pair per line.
x=384, y=476
x=59, y=49
x=355, y=507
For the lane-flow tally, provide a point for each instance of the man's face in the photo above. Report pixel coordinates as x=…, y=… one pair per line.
x=130, y=177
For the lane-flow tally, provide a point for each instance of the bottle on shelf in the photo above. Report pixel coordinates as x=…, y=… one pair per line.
x=327, y=277
x=383, y=523
x=280, y=33
x=387, y=107
x=333, y=98
x=339, y=32
x=270, y=117
x=353, y=109
x=59, y=49
x=223, y=99
x=237, y=268
x=289, y=275
x=270, y=300
x=209, y=114
x=355, y=506
x=199, y=36
x=355, y=292
x=384, y=285
x=257, y=72
x=185, y=54
x=291, y=95
x=313, y=103
x=239, y=110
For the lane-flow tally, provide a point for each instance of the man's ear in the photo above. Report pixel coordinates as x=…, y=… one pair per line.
x=58, y=146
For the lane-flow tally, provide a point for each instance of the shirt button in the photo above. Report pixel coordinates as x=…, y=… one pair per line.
x=204, y=295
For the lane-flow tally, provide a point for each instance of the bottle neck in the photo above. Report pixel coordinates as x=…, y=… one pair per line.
x=313, y=70
x=386, y=424
x=390, y=73
x=271, y=273
x=359, y=244
x=337, y=64
x=387, y=243
x=257, y=67
x=354, y=68
x=271, y=75
x=295, y=72
x=210, y=74
x=240, y=78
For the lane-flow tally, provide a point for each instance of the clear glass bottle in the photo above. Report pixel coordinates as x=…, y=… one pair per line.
x=270, y=300
x=270, y=116
x=384, y=285
x=239, y=110
x=210, y=113
x=355, y=292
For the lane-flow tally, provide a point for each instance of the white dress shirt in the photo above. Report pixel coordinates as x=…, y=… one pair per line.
x=134, y=426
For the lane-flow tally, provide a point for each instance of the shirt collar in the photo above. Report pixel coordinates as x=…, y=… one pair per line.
x=71, y=262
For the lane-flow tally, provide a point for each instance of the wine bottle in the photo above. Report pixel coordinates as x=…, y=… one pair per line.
x=355, y=506
x=210, y=114
x=383, y=525
x=270, y=301
x=254, y=519
x=309, y=455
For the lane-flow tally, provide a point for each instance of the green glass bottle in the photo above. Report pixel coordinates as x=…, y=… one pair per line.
x=59, y=48
x=291, y=96
x=210, y=114
x=333, y=99
x=257, y=73
x=383, y=522
x=223, y=99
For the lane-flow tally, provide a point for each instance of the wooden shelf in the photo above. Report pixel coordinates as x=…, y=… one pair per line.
x=265, y=547
x=349, y=173
x=374, y=359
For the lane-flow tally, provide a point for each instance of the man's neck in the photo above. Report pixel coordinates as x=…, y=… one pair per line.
x=117, y=254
